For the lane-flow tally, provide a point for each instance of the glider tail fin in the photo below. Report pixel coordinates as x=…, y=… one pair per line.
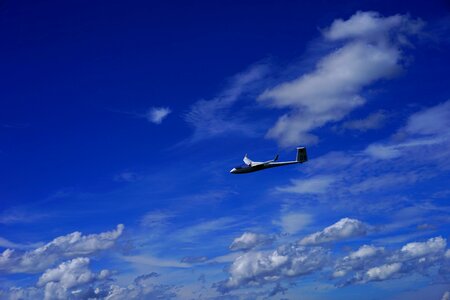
x=301, y=155
x=276, y=157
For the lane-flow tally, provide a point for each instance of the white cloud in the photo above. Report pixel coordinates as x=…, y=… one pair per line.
x=365, y=251
x=357, y=260
x=343, y=229
x=377, y=264
x=62, y=282
x=18, y=293
x=332, y=90
x=63, y=247
x=264, y=267
x=293, y=222
x=446, y=296
x=249, y=240
x=432, y=246
x=383, y=272
x=141, y=288
x=371, y=26
x=74, y=280
x=157, y=114
x=313, y=185
x=430, y=121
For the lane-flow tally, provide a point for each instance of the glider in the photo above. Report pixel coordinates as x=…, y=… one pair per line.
x=253, y=166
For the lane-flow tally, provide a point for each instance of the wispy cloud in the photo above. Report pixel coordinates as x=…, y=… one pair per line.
x=214, y=117
x=373, y=121
x=313, y=185
x=17, y=215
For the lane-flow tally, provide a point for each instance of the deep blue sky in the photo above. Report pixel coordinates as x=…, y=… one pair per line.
x=83, y=148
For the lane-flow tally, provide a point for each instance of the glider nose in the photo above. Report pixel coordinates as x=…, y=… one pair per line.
x=233, y=171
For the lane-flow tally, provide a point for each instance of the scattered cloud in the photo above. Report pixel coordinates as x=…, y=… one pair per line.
x=250, y=240
x=343, y=229
x=157, y=114
x=74, y=279
x=265, y=267
x=293, y=222
x=63, y=247
x=63, y=282
x=371, y=52
x=380, y=264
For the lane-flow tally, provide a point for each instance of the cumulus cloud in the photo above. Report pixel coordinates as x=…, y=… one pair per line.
x=446, y=296
x=142, y=289
x=371, y=52
x=432, y=246
x=382, y=272
x=63, y=247
x=371, y=263
x=343, y=229
x=74, y=279
x=365, y=251
x=63, y=281
x=264, y=267
x=157, y=114
x=249, y=240
x=357, y=260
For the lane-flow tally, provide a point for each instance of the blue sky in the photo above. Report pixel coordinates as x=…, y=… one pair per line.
x=121, y=120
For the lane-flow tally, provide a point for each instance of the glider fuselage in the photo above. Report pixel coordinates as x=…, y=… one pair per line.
x=260, y=166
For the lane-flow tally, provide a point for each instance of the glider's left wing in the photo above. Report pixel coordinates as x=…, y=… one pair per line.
x=247, y=160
